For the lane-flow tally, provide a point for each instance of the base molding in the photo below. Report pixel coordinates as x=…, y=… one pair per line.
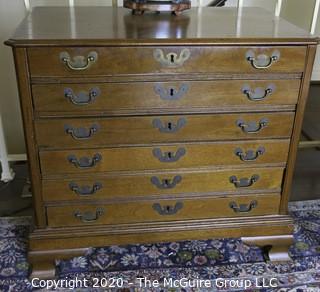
x=48, y=245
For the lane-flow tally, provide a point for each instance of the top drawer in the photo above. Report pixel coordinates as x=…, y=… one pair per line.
x=99, y=61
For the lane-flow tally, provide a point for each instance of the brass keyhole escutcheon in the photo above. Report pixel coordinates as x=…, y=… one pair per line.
x=171, y=59
x=171, y=93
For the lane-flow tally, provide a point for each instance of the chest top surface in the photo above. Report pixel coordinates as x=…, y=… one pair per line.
x=108, y=26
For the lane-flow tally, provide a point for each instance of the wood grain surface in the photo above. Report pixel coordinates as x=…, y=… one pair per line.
x=49, y=99
x=98, y=132
x=140, y=60
x=135, y=186
x=142, y=158
x=135, y=212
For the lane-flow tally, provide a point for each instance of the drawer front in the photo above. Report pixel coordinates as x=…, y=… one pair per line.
x=74, y=133
x=163, y=184
x=81, y=61
x=162, y=210
x=163, y=157
x=158, y=96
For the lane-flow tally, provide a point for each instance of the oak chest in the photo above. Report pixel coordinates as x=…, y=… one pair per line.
x=159, y=128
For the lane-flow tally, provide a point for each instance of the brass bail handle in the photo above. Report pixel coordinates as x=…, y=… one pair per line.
x=243, y=208
x=84, y=162
x=249, y=155
x=258, y=94
x=85, y=190
x=81, y=133
x=251, y=127
x=79, y=63
x=243, y=182
x=82, y=98
x=88, y=216
x=262, y=61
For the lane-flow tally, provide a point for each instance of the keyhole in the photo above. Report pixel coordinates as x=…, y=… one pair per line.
x=165, y=182
x=171, y=91
x=168, y=209
x=169, y=154
x=172, y=58
x=169, y=126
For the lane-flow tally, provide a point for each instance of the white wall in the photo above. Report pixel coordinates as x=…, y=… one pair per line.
x=34, y=3
x=299, y=12
x=11, y=13
x=266, y=4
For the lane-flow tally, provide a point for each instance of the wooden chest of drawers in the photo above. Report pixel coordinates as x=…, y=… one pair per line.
x=138, y=135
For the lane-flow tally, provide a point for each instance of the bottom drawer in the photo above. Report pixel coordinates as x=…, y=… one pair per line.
x=162, y=183
x=163, y=210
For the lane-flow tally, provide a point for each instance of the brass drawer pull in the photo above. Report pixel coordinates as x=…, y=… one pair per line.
x=81, y=133
x=258, y=93
x=169, y=127
x=82, y=98
x=262, y=61
x=171, y=60
x=171, y=93
x=244, y=182
x=166, y=183
x=249, y=155
x=167, y=209
x=84, y=162
x=78, y=63
x=85, y=190
x=89, y=217
x=252, y=127
x=168, y=156
x=243, y=208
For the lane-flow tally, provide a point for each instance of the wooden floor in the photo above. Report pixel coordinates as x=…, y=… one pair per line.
x=306, y=183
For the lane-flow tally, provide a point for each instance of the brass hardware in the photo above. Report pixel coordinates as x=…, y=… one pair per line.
x=85, y=190
x=171, y=60
x=78, y=63
x=167, y=209
x=249, y=155
x=168, y=156
x=244, y=182
x=166, y=183
x=171, y=93
x=169, y=127
x=251, y=127
x=82, y=98
x=81, y=133
x=262, y=61
x=243, y=208
x=84, y=162
x=258, y=94
x=89, y=217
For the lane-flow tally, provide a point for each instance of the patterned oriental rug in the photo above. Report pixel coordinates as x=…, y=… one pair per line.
x=210, y=265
